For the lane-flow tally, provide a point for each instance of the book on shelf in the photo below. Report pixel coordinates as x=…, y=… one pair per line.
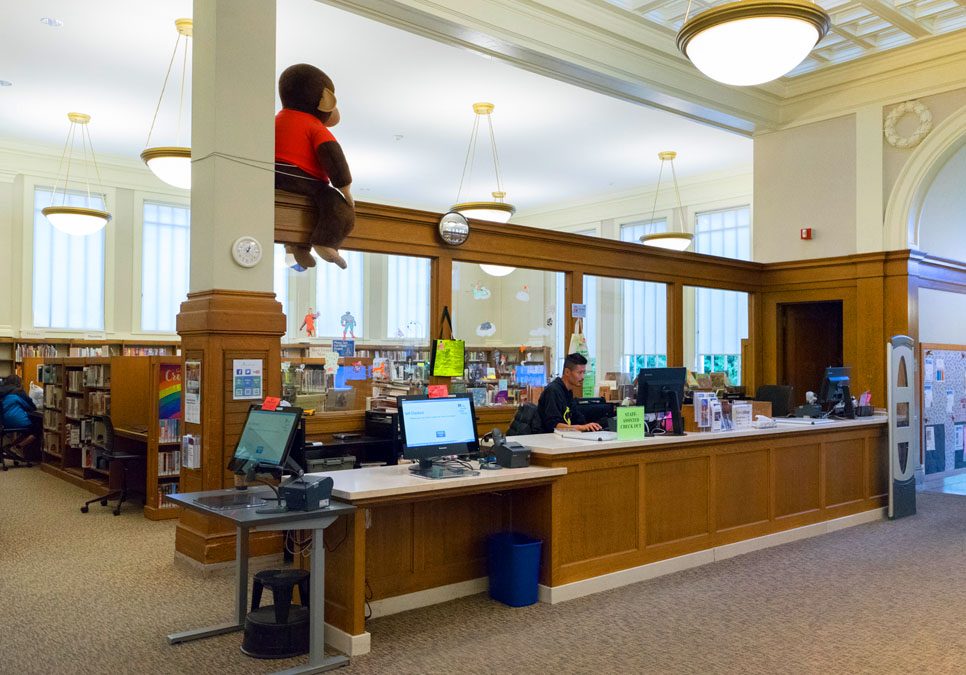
x=35, y=351
x=89, y=351
x=73, y=436
x=170, y=488
x=191, y=451
x=75, y=379
x=169, y=463
x=76, y=407
x=52, y=443
x=146, y=351
x=99, y=403
x=97, y=375
x=169, y=431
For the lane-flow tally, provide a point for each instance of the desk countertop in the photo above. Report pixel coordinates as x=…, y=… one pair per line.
x=390, y=481
x=554, y=445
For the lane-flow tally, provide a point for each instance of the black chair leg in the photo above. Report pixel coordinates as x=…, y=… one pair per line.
x=283, y=601
x=256, y=594
x=304, y=592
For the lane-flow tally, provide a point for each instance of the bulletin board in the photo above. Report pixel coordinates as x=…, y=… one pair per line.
x=943, y=373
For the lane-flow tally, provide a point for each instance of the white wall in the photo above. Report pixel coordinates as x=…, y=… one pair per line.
x=940, y=317
x=942, y=222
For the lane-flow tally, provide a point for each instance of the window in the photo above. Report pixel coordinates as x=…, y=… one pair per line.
x=407, y=290
x=644, y=314
x=725, y=233
x=340, y=297
x=634, y=231
x=165, y=248
x=68, y=270
x=721, y=317
x=280, y=281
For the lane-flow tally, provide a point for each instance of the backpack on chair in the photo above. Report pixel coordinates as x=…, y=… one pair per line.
x=525, y=421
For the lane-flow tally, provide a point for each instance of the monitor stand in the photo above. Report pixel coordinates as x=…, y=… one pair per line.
x=427, y=469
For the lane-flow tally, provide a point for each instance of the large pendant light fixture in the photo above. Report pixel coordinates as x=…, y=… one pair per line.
x=676, y=241
x=752, y=41
x=76, y=220
x=496, y=210
x=172, y=164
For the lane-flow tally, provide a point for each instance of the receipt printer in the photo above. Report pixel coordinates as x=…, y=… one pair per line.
x=512, y=455
x=306, y=493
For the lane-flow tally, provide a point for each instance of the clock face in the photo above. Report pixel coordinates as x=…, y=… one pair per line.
x=246, y=251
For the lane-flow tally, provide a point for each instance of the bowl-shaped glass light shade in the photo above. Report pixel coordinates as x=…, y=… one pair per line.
x=675, y=241
x=76, y=220
x=171, y=165
x=497, y=212
x=497, y=270
x=752, y=41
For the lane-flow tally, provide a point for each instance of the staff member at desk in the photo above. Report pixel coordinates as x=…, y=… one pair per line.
x=556, y=404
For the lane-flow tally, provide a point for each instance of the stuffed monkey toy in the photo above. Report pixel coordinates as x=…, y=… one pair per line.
x=308, y=159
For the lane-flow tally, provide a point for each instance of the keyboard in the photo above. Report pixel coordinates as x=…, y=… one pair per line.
x=588, y=435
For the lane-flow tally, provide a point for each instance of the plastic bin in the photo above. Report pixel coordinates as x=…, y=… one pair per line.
x=514, y=563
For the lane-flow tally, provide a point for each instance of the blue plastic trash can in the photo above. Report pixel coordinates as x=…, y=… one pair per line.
x=514, y=564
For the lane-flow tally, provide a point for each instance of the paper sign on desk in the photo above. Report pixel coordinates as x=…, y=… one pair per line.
x=630, y=423
x=438, y=391
x=271, y=403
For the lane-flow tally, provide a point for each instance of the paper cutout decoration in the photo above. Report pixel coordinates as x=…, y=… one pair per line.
x=438, y=391
x=485, y=329
x=481, y=292
x=524, y=295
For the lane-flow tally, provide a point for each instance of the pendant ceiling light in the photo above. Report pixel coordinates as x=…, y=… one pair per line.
x=172, y=164
x=676, y=241
x=77, y=220
x=497, y=270
x=752, y=41
x=496, y=210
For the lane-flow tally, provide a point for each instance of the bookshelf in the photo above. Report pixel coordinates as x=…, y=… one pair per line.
x=24, y=350
x=6, y=357
x=142, y=396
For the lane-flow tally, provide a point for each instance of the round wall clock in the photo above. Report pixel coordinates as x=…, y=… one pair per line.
x=246, y=251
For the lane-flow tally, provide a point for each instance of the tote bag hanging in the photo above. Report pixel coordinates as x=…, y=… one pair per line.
x=447, y=356
x=578, y=343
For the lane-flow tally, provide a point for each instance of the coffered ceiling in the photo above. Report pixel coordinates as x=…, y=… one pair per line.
x=859, y=27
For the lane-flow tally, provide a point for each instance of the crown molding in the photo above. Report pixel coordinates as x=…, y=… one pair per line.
x=584, y=42
x=923, y=68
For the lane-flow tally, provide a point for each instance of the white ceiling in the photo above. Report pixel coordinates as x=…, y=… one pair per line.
x=859, y=27
x=556, y=142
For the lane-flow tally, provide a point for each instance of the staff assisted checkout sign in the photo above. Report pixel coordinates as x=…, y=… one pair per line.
x=630, y=423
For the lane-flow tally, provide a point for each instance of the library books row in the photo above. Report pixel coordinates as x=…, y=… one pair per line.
x=169, y=463
x=50, y=350
x=170, y=488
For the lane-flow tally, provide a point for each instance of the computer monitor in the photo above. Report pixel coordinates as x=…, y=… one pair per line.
x=432, y=428
x=594, y=409
x=661, y=390
x=835, y=390
x=266, y=440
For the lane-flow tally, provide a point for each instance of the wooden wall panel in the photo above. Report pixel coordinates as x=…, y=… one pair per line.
x=844, y=471
x=741, y=486
x=389, y=544
x=676, y=500
x=797, y=477
x=878, y=463
x=599, y=510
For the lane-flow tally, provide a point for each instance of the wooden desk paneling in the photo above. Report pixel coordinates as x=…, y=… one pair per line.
x=622, y=508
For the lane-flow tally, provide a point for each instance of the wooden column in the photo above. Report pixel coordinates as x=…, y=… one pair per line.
x=675, y=324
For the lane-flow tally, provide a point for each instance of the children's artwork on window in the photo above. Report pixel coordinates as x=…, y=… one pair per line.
x=523, y=295
x=308, y=323
x=486, y=329
x=481, y=292
x=348, y=325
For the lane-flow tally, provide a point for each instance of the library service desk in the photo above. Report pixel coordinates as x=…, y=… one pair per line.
x=608, y=513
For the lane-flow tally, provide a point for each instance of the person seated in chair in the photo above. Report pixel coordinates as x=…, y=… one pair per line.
x=16, y=404
x=556, y=404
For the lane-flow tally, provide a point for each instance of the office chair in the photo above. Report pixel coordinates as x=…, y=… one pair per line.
x=104, y=440
x=782, y=398
x=6, y=434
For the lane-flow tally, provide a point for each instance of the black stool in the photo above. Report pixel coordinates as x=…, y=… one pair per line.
x=280, y=630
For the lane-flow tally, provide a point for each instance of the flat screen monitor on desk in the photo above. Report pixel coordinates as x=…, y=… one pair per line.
x=264, y=445
x=435, y=428
x=660, y=391
x=835, y=391
x=595, y=409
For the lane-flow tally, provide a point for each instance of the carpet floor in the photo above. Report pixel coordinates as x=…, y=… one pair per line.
x=93, y=593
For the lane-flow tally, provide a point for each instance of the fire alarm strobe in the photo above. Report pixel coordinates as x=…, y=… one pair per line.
x=806, y=233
